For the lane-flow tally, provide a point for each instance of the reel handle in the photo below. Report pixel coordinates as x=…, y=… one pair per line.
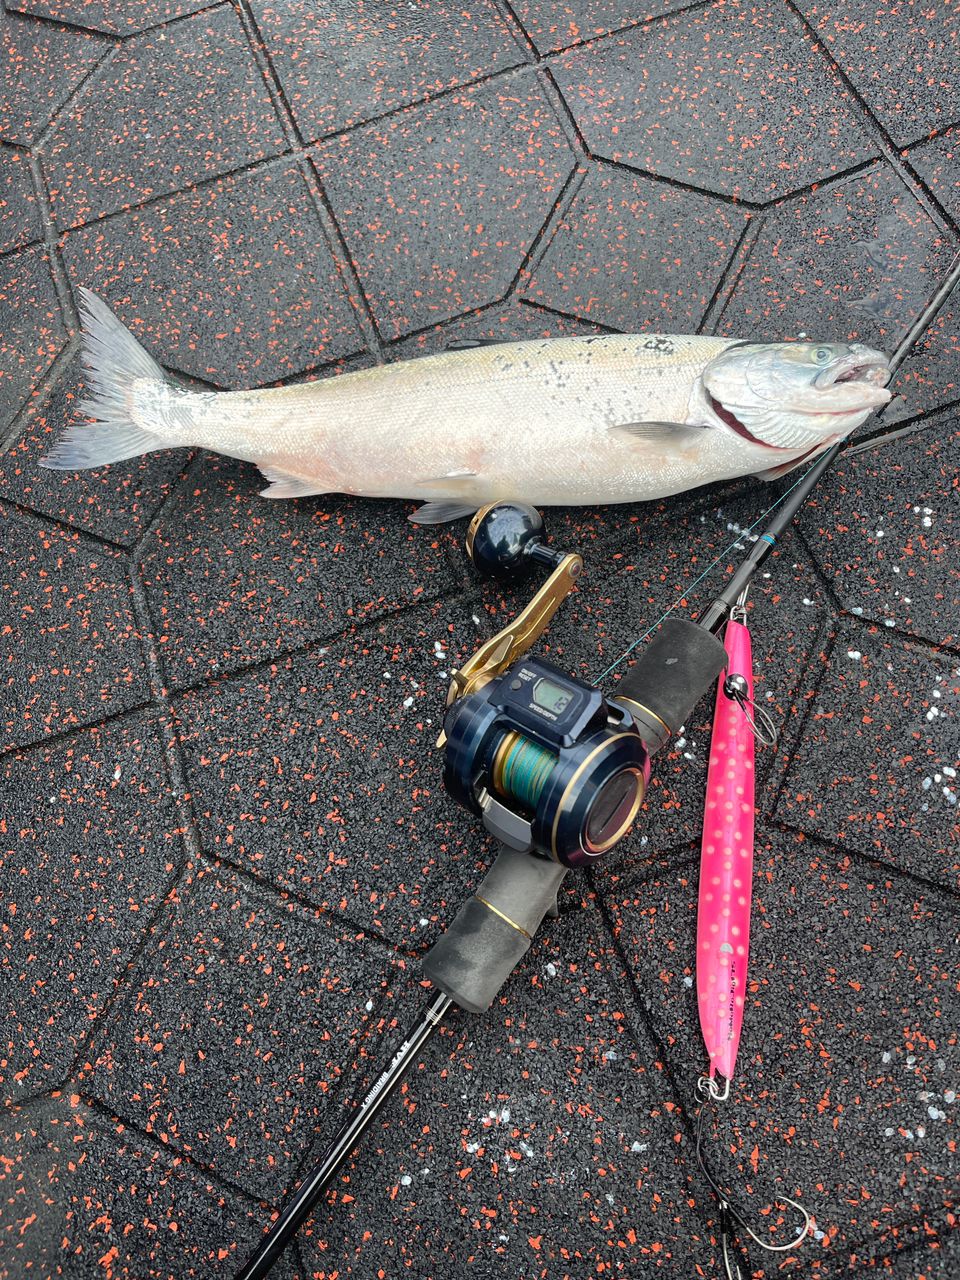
x=669, y=678
x=493, y=930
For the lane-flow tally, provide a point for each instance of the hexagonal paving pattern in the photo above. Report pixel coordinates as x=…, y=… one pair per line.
x=86, y=1196
x=902, y=57
x=72, y=651
x=700, y=99
x=340, y=64
x=623, y=255
x=207, y=110
x=90, y=848
x=41, y=65
x=225, y=844
x=190, y=277
x=430, y=226
x=33, y=333
x=117, y=17
x=237, y=1029
x=556, y=24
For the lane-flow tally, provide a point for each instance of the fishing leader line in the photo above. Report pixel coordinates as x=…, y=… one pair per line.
x=731, y=546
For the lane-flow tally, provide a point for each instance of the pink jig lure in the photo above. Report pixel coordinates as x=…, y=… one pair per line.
x=726, y=862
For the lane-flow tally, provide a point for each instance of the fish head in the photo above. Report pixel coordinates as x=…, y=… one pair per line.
x=795, y=395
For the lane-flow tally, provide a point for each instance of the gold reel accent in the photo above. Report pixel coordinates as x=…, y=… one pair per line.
x=503, y=649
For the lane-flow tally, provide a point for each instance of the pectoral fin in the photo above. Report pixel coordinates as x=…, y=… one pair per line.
x=664, y=437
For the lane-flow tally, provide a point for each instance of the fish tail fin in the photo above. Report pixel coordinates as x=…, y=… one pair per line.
x=126, y=391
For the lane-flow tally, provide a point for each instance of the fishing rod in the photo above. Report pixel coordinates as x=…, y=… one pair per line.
x=553, y=768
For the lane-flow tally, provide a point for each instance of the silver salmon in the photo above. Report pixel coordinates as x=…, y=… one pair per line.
x=560, y=421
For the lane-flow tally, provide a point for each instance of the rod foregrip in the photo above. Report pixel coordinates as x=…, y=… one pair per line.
x=669, y=678
x=493, y=930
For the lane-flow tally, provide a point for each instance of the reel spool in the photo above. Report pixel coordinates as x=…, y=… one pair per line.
x=548, y=764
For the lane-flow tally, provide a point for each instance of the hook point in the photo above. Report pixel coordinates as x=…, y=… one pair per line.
x=791, y=1244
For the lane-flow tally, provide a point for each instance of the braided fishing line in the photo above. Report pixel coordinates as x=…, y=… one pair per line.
x=522, y=768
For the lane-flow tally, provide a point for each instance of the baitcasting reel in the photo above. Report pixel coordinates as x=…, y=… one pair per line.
x=549, y=763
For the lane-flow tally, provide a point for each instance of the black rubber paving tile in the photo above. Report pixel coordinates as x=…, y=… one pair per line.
x=115, y=502
x=872, y=766
x=930, y=377
x=855, y=261
x=633, y=254
x=340, y=64
x=555, y=24
x=320, y=775
x=40, y=67
x=88, y=847
x=883, y=527
x=19, y=216
x=903, y=59
x=174, y=106
x=440, y=204
x=85, y=1196
x=538, y=1139
x=699, y=99
x=33, y=332
x=70, y=652
x=118, y=17
x=233, y=283
x=233, y=578
x=938, y=164
x=238, y=1023
x=845, y=1087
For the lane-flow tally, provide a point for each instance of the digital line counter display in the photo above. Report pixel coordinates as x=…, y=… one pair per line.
x=552, y=697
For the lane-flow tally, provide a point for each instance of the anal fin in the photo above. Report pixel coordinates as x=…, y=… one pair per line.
x=442, y=512
x=284, y=485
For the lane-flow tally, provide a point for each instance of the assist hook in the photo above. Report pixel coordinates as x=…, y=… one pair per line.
x=730, y=1215
x=736, y=688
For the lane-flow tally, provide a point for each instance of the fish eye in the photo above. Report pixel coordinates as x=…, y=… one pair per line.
x=822, y=355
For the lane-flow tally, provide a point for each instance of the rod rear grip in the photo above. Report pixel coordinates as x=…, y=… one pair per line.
x=493, y=930
x=669, y=678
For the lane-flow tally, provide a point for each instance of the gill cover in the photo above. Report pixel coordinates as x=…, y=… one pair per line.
x=794, y=395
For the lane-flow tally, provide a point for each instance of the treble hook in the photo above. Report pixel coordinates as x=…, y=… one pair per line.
x=730, y=1215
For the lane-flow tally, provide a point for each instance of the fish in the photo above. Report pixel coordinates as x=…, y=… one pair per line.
x=568, y=421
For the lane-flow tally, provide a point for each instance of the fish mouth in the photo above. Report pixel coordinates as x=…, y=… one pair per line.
x=864, y=366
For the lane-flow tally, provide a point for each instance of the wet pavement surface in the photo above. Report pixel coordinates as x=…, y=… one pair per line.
x=225, y=846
